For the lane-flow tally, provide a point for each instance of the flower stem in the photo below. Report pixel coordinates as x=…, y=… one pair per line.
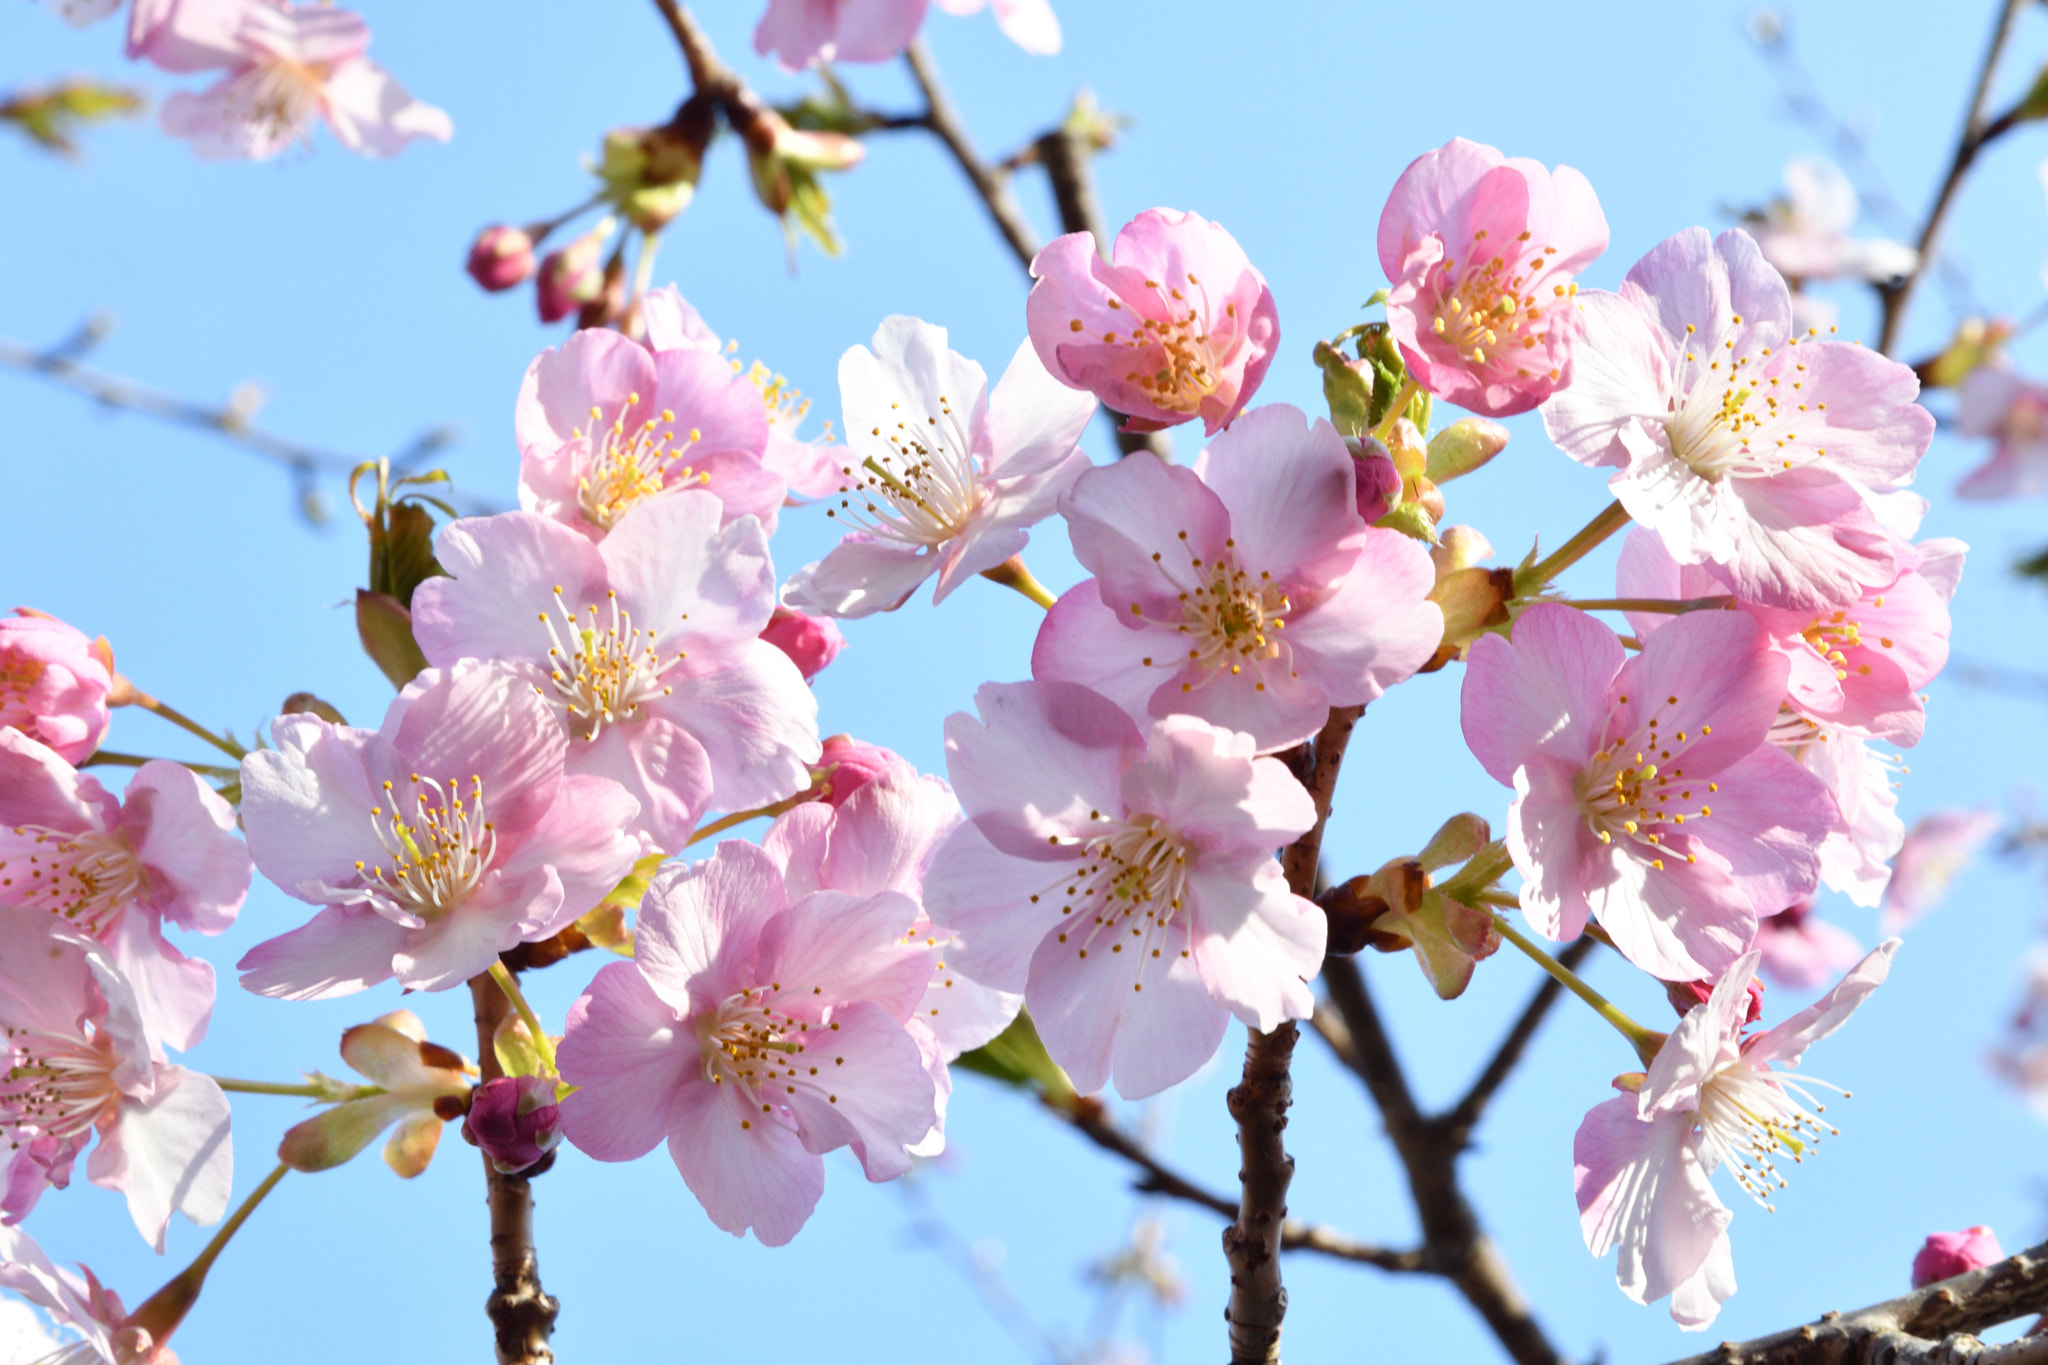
x=1644, y=1041
x=1666, y=606
x=1011, y=573
x=740, y=817
x=1409, y=389
x=308, y=1089
x=510, y=985
x=110, y=757
x=204, y=1261
x=1610, y=520
x=135, y=696
x=643, y=270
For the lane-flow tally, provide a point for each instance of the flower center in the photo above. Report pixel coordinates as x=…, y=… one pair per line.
x=1632, y=792
x=440, y=854
x=1228, y=617
x=603, y=668
x=1498, y=306
x=56, y=1084
x=748, y=1043
x=920, y=485
x=1831, y=635
x=1755, y=1117
x=282, y=97
x=629, y=466
x=1131, y=882
x=1740, y=415
x=85, y=878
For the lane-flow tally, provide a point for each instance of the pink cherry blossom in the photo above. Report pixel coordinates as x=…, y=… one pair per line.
x=801, y=33
x=54, y=683
x=645, y=645
x=606, y=426
x=940, y=475
x=433, y=844
x=881, y=837
x=114, y=869
x=1855, y=858
x=1481, y=250
x=755, y=1032
x=79, y=1059
x=1030, y=24
x=106, y=1334
x=1176, y=325
x=1860, y=664
x=1736, y=441
x=1800, y=950
x=2000, y=405
x=1643, y=1161
x=1646, y=795
x=811, y=642
x=1948, y=1254
x=1936, y=851
x=1123, y=880
x=1806, y=235
x=1246, y=591
x=285, y=65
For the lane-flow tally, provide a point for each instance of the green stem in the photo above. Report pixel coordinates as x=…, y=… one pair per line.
x=643, y=269
x=1666, y=606
x=1644, y=1041
x=304, y=1088
x=1011, y=573
x=510, y=985
x=740, y=817
x=1409, y=388
x=204, y=1261
x=108, y=757
x=1610, y=520
x=137, y=697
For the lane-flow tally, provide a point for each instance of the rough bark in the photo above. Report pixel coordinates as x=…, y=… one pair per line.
x=522, y=1313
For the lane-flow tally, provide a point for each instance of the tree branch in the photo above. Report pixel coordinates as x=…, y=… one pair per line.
x=522, y=1313
x=1915, y=1327
x=1464, y=1116
x=991, y=184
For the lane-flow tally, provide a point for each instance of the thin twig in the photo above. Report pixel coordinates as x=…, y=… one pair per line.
x=992, y=185
x=1464, y=1116
x=522, y=1313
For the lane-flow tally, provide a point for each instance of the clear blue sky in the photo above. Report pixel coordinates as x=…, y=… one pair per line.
x=335, y=282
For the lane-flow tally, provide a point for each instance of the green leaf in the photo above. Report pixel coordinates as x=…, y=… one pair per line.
x=385, y=628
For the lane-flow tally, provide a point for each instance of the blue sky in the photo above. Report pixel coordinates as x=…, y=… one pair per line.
x=335, y=283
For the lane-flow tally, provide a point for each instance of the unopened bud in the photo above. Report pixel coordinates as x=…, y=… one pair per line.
x=847, y=765
x=1948, y=1254
x=501, y=257
x=1375, y=481
x=516, y=1120
x=811, y=642
x=1473, y=601
x=572, y=277
x=608, y=309
x=1462, y=447
x=1459, y=547
x=650, y=173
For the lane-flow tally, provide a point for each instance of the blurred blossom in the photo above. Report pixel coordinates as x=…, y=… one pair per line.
x=1801, y=951
x=1806, y=234
x=2012, y=411
x=1030, y=24
x=501, y=257
x=1142, y=1263
x=1947, y=1254
x=1937, y=851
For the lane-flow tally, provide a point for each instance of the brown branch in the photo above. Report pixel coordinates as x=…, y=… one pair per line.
x=1464, y=1116
x=1925, y=1321
x=1976, y=133
x=989, y=183
x=522, y=1313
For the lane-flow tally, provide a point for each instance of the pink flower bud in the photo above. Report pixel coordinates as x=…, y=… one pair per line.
x=501, y=258
x=572, y=277
x=811, y=642
x=1952, y=1253
x=1684, y=995
x=54, y=683
x=1377, y=482
x=852, y=764
x=515, y=1120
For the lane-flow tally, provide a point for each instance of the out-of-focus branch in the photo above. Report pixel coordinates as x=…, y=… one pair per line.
x=990, y=183
x=1977, y=130
x=1930, y=1326
x=522, y=1313
x=1463, y=1116
x=232, y=421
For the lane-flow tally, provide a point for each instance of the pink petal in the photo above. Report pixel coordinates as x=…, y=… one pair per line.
x=169, y=1155
x=1546, y=693
x=628, y=1053
x=747, y=1171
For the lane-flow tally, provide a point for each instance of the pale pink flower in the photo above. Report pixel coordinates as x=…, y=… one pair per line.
x=433, y=844
x=1176, y=325
x=104, y=1331
x=1030, y=24
x=285, y=65
x=801, y=33
x=881, y=837
x=1855, y=858
x=1800, y=950
x=1481, y=250
x=1947, y=1254
x=1646, y=794
x=1937, y=850
x=2012, y=411
x=755, y=1032
x=1806, y=234
x=1860, y=664
x=114, y=869
x=940, y=474
x=54, y=683
x=606, y=426
x=1738, y=442
x=645, y=645
x=79, y=1058
x=1642, y=1161
x=145, y=17
x=1246, y=590
x=1123, y=880
x=811, y=642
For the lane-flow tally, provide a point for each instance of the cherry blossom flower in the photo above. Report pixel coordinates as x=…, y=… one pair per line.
x=1646, y=795
x=1123, y=880
x=1806, y=235
x=105, y=1332
x=1996, y=403
x=79, y=1059
x=1737, y=442
x=1246, y=591
x=1948, y=1254
x=285, y=65
x=1643, y=1161
x=755, y=1032
x=811, y=642
x=1176, y=325
x=1482, y=250
x=420, y=1086
x=1030, y=24
x=1855, y=858
x=433, y=844
x=801, y=33
x=881, y=837
x=645, y=644
x=1800, y=950
x=941, y=475
x=1936, y=851
x=606, y=426
x=114, y=869
x=54, y=683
